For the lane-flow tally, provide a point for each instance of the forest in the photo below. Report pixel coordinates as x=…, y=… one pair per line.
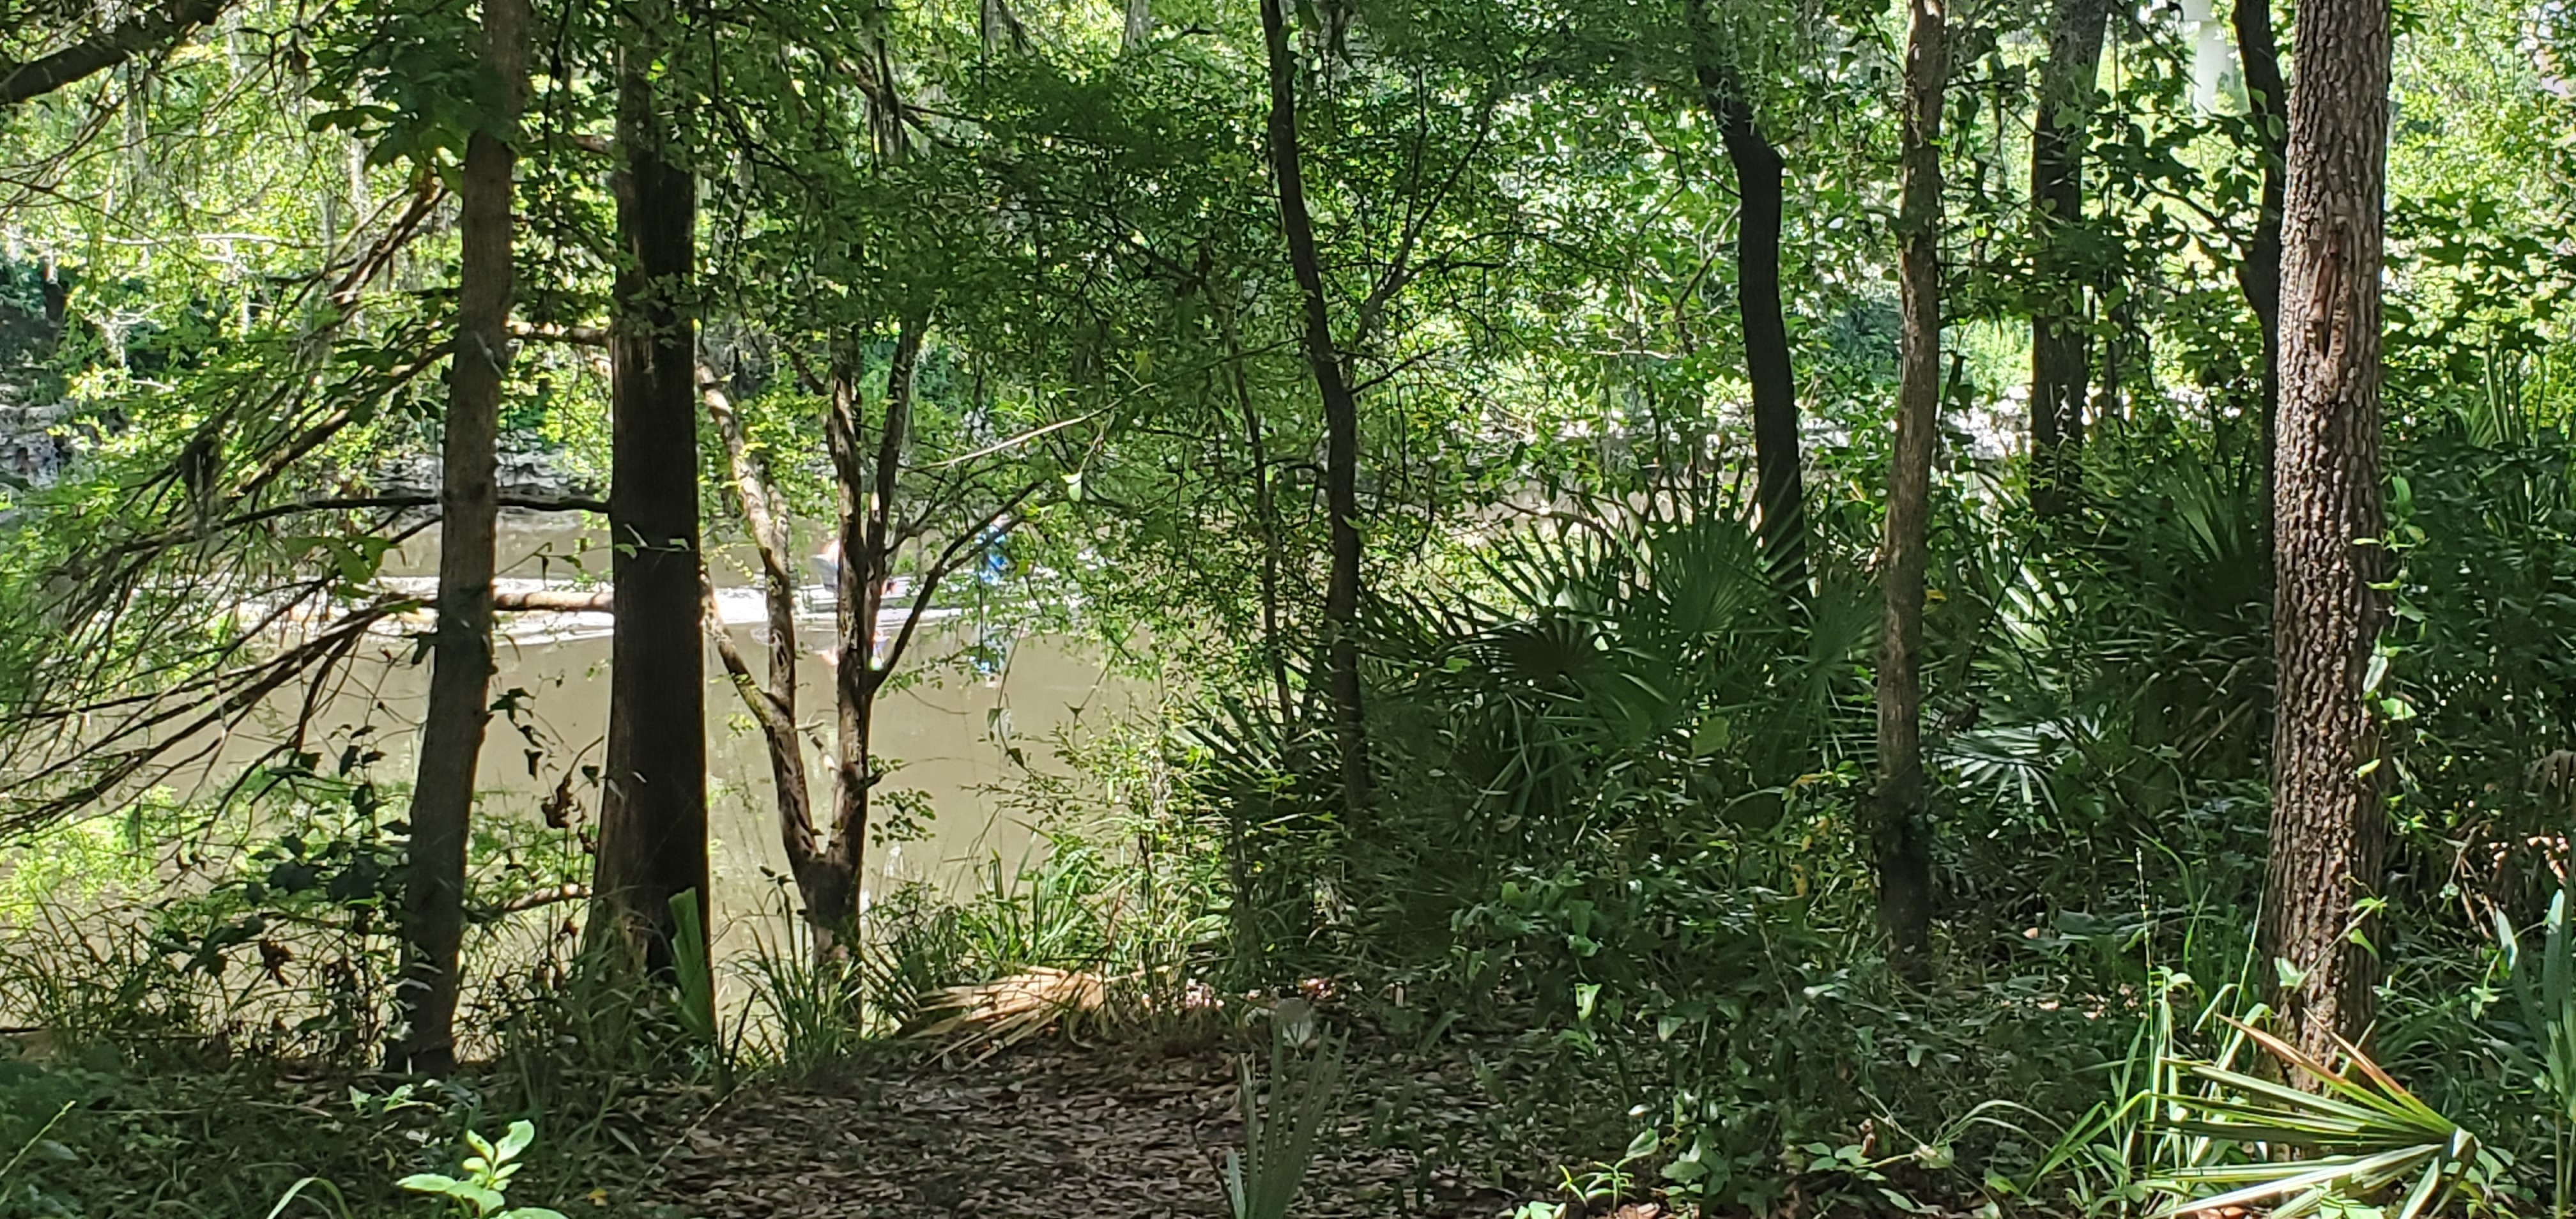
x=715, y=609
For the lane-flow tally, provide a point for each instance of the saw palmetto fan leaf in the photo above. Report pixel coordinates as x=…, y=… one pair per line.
x=2359, y=1135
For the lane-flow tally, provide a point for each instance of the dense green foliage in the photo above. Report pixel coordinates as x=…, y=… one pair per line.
x=1621, y=773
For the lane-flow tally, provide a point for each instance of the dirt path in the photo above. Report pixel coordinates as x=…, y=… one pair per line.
x=1052, y=1133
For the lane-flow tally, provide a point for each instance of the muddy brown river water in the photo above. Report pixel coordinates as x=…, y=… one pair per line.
x=948, y=731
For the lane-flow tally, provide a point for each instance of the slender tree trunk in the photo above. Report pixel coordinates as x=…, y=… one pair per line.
x=2328, y=829
x=469, y=508
x=829, y=878
x=2060, y=350
x=653, y=818
x=2260, y=273
x=831, y=883
x=1901, y=834
x=1001, y=30
x=1341, y=422
x=1265, y=509
x=868, y=540
x=1780, y=489
x=1139, y=27
x=821, y=878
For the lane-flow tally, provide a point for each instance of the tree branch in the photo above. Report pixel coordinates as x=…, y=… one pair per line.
x=150, y=32
x=968, y=542
x=574, y=336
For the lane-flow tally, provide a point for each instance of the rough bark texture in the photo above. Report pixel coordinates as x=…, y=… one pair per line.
x=1780, y=482
x=1901, y=833
x=148, y=33
x=469, y=507
x=2060, y=351
x=1341, y=422
x=2260, y=273
x=2328, y=828
x=653, y=816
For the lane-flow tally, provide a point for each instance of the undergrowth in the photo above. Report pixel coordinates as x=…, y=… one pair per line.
x=1613, y=864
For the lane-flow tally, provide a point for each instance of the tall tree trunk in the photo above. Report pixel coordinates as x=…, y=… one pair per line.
x=2060, y=351
x=2260, y=272
x=1341, y=422
x=1780, y=483
x=1901, y=834
x=2328, y=828
x=653, y=818
x=469, y=508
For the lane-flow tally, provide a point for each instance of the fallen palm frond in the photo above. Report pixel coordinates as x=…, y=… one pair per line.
x=989, y=1017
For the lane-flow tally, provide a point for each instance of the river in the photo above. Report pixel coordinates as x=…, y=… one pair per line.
x=948, y=732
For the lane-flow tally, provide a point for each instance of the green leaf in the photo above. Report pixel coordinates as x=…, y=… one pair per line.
x=1712, y=736
x=483, y=1200
x=297, y=1190
x=520, y=1135
x=2366, y=1132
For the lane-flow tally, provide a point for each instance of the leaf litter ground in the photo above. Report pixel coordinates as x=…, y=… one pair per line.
x=1058, y=1130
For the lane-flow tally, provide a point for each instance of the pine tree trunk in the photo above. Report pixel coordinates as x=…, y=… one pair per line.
x=2060, y=350
x=2328, y=829
x=1901, y=834
x=1341, y=423
x=2260, y=273
x=1780, y=488
x=653, y=817
x=469, y=510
